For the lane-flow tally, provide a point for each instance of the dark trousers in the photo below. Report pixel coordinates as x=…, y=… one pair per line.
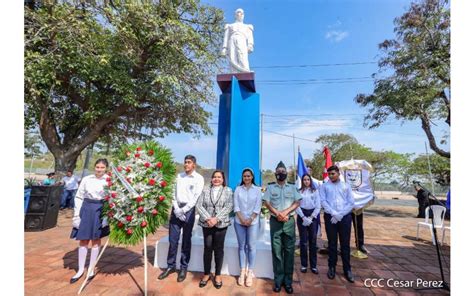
x=308, y=234
x=174, y=232
x=359, y=231
x=341, y=229
x=213, y=243
x=283, y=250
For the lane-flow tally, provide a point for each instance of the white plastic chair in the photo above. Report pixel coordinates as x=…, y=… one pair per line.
x=444, y=230
x=438, y=217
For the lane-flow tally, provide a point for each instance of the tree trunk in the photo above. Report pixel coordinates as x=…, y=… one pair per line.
x=64, y=162
x=425, y=124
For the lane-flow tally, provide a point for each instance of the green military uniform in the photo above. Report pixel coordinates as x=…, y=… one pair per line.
x=282, y=233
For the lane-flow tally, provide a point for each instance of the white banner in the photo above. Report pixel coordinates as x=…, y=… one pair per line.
x=357, y=174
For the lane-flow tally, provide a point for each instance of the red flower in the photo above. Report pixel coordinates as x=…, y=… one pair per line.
x=119, y=169
x=162, y=198
x=143, y=224
x=111, y=214
x=139, y=148
x=119, y=224
x=140, y=209
x=159, y=165
x=128, y=169
x=110, y=174
x=151, y=152
x=147, y=164
x=154, y=212
x=111, y=205
x=163, y=183
x=139, y=199
x=109, y=184
x=129, y=218
x=129, y=231
x=128, y=180
x=137, y=155
x=108, y=179
x=151, y=182
x=107, y=198
x=114, y=194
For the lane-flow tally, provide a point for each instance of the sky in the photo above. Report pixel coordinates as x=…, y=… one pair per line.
x=290, y=33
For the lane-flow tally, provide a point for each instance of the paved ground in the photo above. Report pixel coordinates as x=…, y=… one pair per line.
x=51, y=259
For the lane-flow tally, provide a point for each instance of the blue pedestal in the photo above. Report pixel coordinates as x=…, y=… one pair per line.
x=238, y=142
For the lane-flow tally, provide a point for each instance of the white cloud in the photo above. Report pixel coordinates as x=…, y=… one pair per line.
x=336, y=35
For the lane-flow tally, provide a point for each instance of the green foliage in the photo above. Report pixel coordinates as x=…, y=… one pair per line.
x=32, y=143
x=114, y=73
x=413, y=81
x=125, y=203
x=440, y=169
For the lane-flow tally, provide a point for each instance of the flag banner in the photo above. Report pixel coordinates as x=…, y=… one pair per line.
x=327, y=156
x=357, y=174
x=303, y=170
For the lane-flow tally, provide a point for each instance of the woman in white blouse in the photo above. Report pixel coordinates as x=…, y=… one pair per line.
x=247, y=206
x=88, y=223
x=308, y=223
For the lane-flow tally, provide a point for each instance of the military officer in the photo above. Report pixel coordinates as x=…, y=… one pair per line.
x=282, y=198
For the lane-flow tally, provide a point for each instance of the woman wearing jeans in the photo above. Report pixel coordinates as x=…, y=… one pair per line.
x=247, y=205
x=214, y=206
x=308, y=222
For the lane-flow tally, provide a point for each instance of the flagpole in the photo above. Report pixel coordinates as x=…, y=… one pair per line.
x=294, y=157
x=261, y=148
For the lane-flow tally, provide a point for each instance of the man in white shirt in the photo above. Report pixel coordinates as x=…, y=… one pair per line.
x=189, y=185
x=338, y=201
x=71, y=183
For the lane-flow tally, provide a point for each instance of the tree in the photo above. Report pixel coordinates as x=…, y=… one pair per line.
x=386, y=164
x=32, y=142
x=440, y=169
x=413, y=82
x=123, y=71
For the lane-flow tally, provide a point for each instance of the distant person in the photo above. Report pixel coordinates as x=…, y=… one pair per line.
x=88, y=222
x=338, y=201
x=71, y=183
x=214, y=206
x=423, y=200
x=282, y=199
x=188, y=188
x=308, y=223
x=247, y=206
x=50, y=179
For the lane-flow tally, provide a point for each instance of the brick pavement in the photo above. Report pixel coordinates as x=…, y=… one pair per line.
x=51, y=259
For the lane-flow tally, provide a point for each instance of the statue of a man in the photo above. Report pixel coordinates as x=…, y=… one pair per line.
x=238, y=43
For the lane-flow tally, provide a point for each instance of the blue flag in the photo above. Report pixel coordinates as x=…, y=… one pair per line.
x=301, y=166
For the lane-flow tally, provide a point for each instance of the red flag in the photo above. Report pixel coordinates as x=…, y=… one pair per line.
x=327, y=155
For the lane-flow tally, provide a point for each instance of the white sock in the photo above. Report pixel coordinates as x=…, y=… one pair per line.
x=94, y=254
x=81, y=261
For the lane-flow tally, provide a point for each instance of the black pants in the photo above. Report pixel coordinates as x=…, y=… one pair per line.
x=341, y=229
x=213, y=242
x=359, y=232
x=174, y=233
x=308, y=235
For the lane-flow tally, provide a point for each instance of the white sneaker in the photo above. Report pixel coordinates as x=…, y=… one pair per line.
x=241, y=280
x=248, y=279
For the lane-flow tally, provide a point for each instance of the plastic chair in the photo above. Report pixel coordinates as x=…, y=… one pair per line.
x=438, y=219
x=444, y=230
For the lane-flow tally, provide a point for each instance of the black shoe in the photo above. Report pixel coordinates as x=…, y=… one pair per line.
x=363, y=249
x=73, y=279
x=182, y=275
x=203, y=283
x=277, y=288
x=289, y=289
x=331, y=273
x=91, y=277
x=303, y=269
x=218, y=285
x=315, y=270
x=166, y=273
x=348, y=275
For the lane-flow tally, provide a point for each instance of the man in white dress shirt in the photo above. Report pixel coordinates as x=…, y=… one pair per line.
x=189, y=185
x=338, y=201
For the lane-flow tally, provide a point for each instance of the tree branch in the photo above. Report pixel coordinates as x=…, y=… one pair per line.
x=425, y=124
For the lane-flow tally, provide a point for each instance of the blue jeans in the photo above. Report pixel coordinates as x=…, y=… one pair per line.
x=68, y=198
x=247, y=238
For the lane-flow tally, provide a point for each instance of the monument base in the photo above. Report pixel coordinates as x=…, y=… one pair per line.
x=263, y=265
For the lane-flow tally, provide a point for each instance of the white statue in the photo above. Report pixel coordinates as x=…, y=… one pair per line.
x=238, y=43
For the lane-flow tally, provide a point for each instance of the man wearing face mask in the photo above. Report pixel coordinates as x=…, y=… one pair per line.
x=282, y=199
